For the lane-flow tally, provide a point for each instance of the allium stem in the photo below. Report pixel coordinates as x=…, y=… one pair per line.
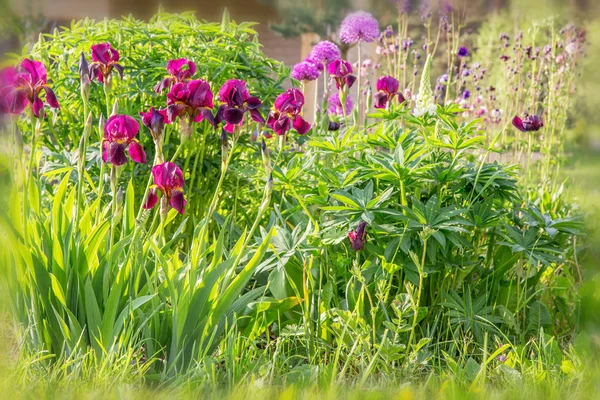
x=316, y=103
x=358, y=87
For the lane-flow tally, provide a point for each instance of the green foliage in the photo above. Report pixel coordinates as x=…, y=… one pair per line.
x=466, y=272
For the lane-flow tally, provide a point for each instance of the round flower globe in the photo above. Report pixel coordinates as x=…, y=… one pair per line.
x=359, y=26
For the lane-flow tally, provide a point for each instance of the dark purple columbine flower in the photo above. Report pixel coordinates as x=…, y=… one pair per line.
x=155, y=121
x=358, y=237
x=359, y=26
x=286, y=113
x=180, y=70
x=22, y=86
x=168, y=179
x=119, y=135
x=387, y=89
x=305, y=71
x=531, y=123
x=104, y=59
x=193, y=99
x=237, y=101
x=463, y=52
x=341, y=71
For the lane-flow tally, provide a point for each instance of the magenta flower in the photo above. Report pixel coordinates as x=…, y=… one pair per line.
x=318, y=65
x=194, y=99
x=286, y=113
x=104, y=60
x=237, y=101
x=324, y=52
x=155, y=121
x=531, y=123
x=119, y=135
x=387, y=89
x=359, y=26
x=358, y=237
x=22, y=86
x=334, y=105
x=305, y=71
x=7, y=76
x=341, y=71
x=180, y=70
x=168, y=178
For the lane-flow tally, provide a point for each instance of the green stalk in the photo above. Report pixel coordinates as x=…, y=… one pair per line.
x=358, y=84
x=419, y=291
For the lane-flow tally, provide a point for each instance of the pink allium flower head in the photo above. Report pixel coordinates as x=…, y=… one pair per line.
x=318, y=65
x=359, y=26
x=305, y=71
x=324, y=52
x=334, y=105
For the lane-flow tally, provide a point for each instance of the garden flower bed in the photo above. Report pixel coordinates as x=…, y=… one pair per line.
x=176, y=213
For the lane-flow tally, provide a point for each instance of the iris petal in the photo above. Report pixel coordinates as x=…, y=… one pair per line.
x=151, y=199
x=136, y=152
x=178, y=201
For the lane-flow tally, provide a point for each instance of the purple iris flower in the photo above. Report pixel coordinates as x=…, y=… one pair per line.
x=387, y=89
x=168, y=179
x=237, y=101
x=119, y=135
x=193, y=99
x=180, y=70
x=531, y=123
x=155, y=121
x=358, y=237
x=22, y=86
x=286, y=113
x=104, y=60
x=341, y=71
